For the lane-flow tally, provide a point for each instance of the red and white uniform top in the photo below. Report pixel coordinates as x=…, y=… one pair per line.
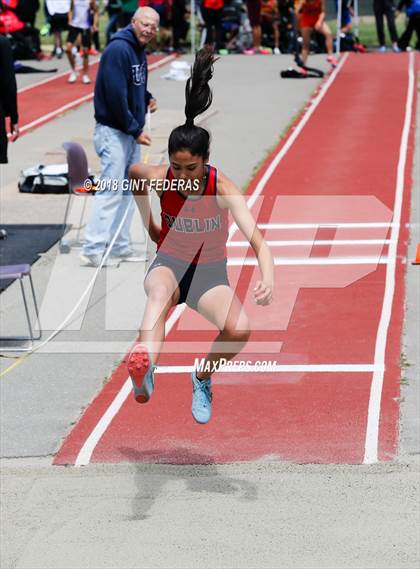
x=194, y=228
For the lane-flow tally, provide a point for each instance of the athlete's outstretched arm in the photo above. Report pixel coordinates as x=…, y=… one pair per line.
x=230, y=196
x=142, y=174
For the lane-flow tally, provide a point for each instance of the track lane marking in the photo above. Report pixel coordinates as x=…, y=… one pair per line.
x=284, y=261
x=374, y=409
x=279, y=368
x=315, y=243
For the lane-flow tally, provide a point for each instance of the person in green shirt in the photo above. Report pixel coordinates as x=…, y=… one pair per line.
x=128, y=9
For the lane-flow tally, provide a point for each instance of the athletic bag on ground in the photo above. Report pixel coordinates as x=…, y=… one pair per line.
x=52, y=179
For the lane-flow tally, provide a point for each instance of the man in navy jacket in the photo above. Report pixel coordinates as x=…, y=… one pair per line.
x=121, y=102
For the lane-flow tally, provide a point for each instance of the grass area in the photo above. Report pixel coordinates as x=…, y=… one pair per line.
x=367, y=30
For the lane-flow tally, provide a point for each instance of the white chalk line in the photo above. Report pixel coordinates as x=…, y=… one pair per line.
x=53, y=78
x=374, y=409
x=85, y=453
x=56, y=112
x=302, y=242
x=283, y=261
x=277, y=368
x=327, y=225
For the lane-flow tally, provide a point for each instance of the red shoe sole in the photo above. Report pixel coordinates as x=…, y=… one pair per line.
x=138, y=363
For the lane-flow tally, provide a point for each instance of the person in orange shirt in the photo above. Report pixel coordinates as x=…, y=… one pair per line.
x=212, y=11
x=311, y=16
x=270, y=16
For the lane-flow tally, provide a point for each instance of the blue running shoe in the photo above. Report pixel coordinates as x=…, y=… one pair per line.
x=141, y=372
x=201, y=399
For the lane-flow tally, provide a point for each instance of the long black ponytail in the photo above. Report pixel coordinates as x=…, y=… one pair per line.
x=198, y=98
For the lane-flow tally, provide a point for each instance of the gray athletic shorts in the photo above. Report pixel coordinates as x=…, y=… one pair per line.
x=193, y=279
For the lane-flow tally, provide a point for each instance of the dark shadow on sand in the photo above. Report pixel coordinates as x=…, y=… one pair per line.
x=198, y=471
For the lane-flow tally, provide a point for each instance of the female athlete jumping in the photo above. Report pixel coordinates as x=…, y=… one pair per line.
x=190, y=264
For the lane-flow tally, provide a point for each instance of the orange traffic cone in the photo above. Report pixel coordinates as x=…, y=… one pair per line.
x=417, y=259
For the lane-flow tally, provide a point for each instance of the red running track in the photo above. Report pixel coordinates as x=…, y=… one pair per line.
x=333, y=209
x=47, y=99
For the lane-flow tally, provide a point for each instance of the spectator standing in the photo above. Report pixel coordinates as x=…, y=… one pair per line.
x=57, y=12
x=254, y=15
x=121, y=101
x=80, y=24
x=385, y=8
x=347, y=11
x=8, y=98
x=211, y=10
x=127, y=12
x=114, y=9
x=179, y=23
x=270, y=16
x=413, y=24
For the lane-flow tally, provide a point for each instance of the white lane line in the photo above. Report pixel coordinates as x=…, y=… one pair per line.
x=55, y=76
x=94, y=62
x=310, y=368
x=88, y=447
x=374, y=409
x=57, y=112
x=86, y=451
x=169, y=324
x=328, y=225
x=289, y=142
x=80, y=100
x=283, y=261
x=298, y=243
x=161, y=62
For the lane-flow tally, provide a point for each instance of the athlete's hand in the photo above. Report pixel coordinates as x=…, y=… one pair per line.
x=155, y=233
x=263, y=293
x=144, y=138
x=14, y=132
x=152, y=105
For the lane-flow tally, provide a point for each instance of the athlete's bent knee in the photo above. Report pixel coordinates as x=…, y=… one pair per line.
x=160, y=294
x=237, y=335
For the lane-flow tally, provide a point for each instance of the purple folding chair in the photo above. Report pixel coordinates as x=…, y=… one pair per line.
x=78, y=172
x=20, y=272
